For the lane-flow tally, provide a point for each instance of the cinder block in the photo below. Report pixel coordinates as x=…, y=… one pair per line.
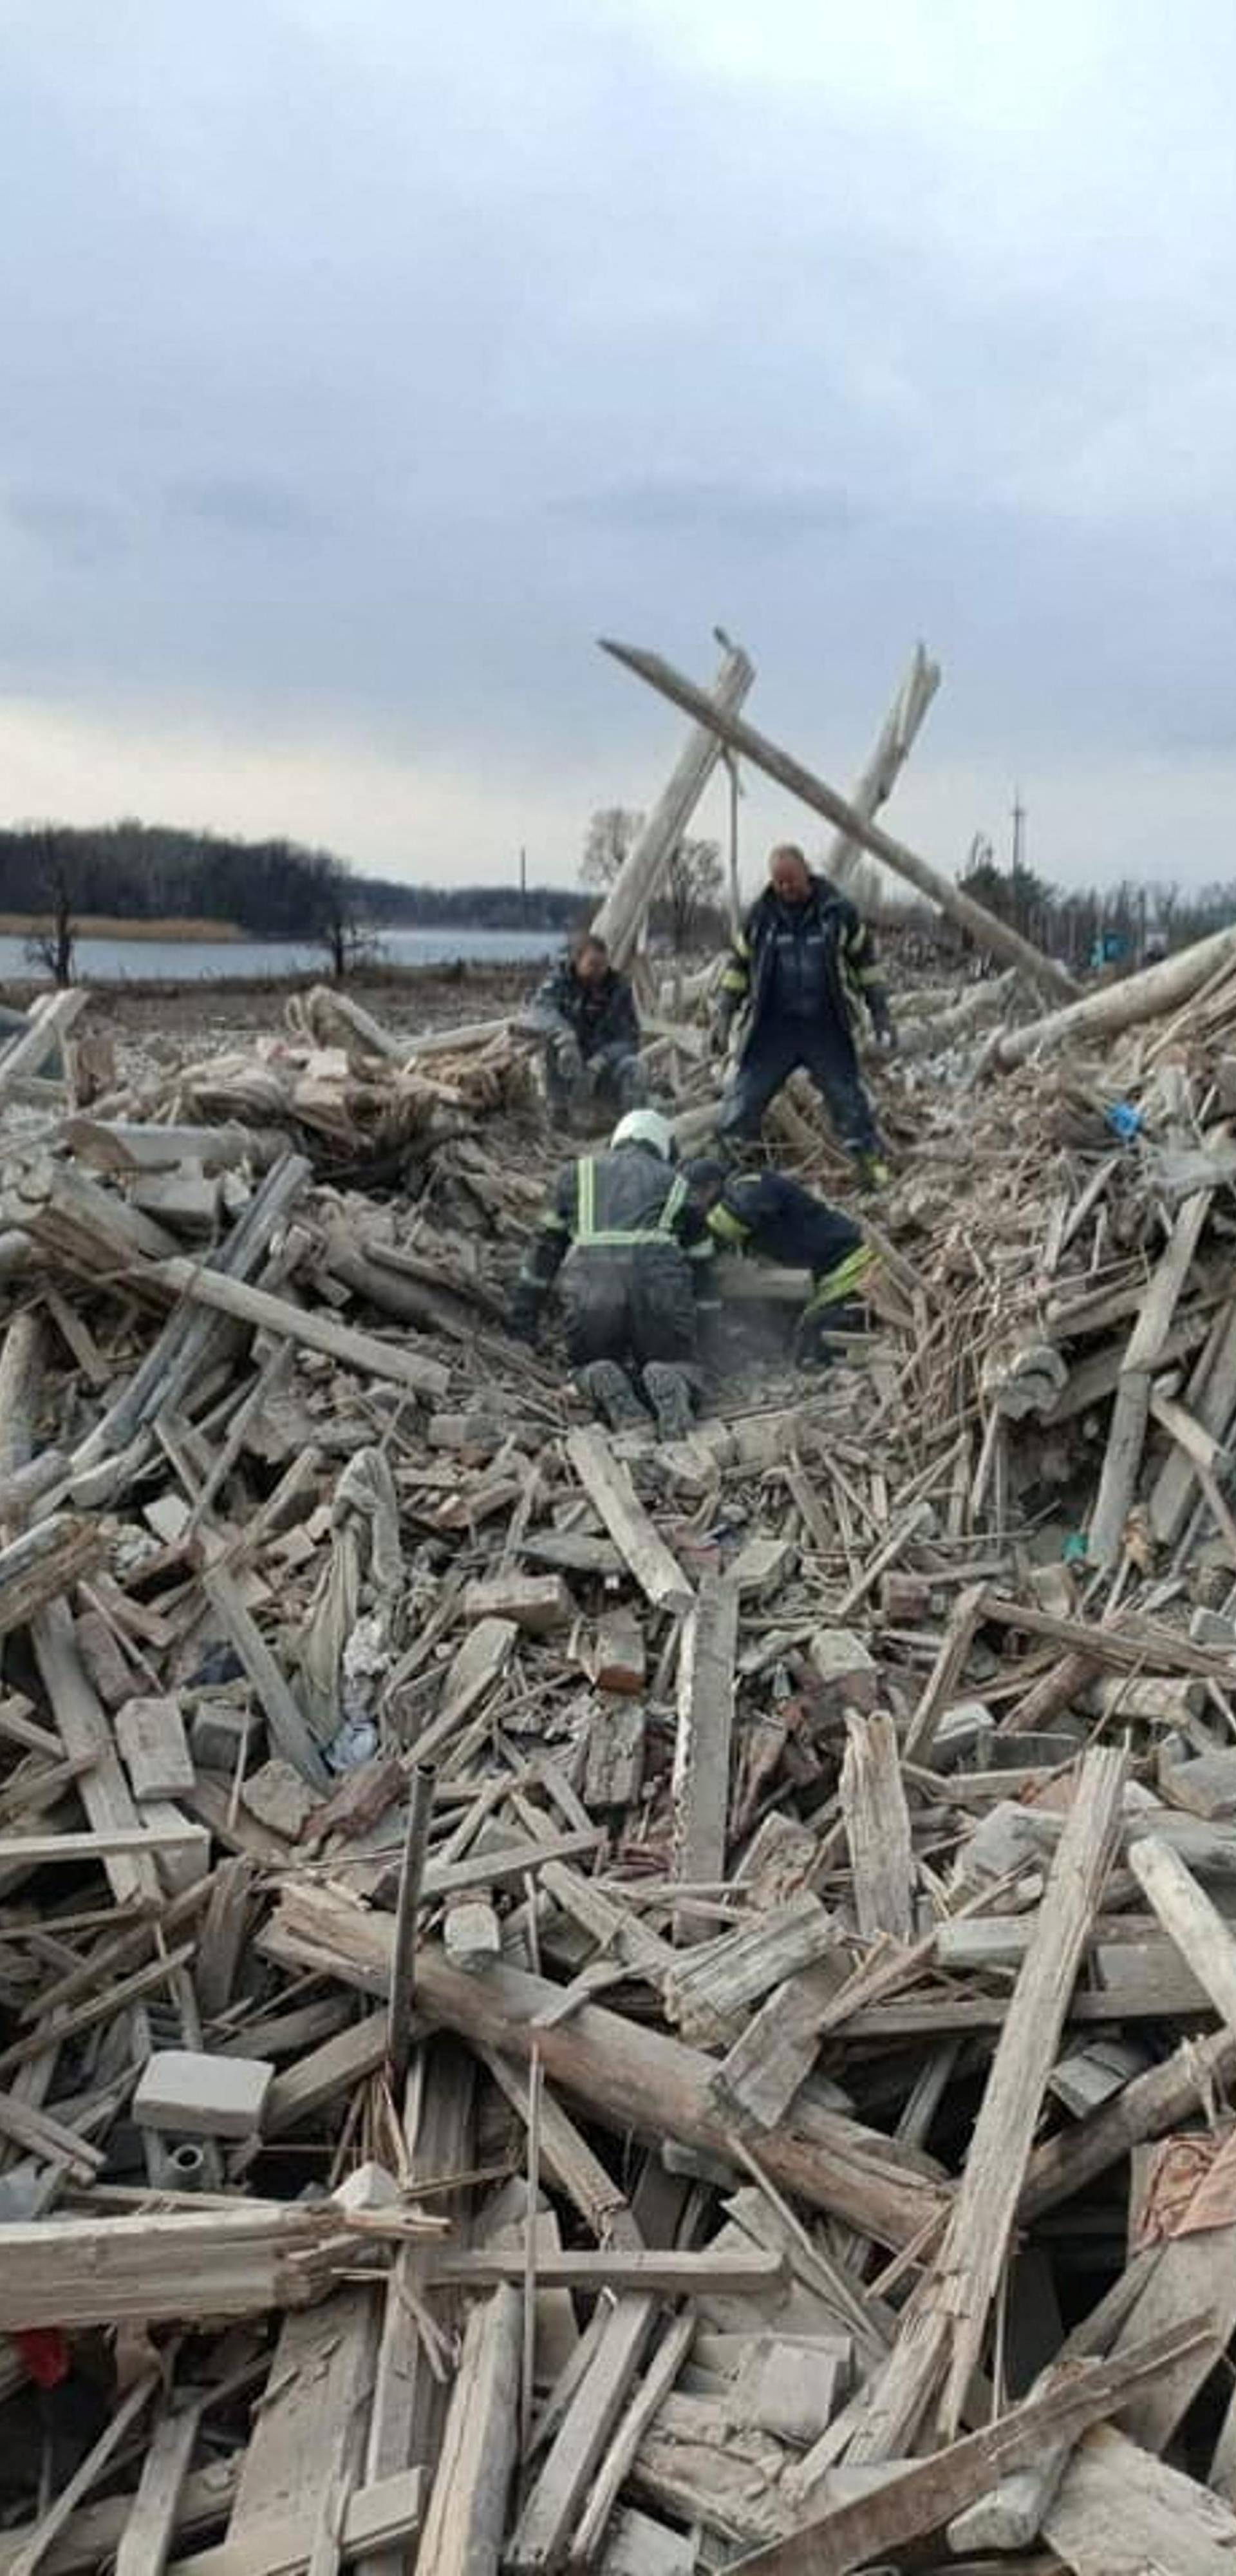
x=189, y=2094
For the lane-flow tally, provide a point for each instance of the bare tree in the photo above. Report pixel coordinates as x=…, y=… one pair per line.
x=694, y=885
x=52, y=945
x=608, y=841
x=337, y=925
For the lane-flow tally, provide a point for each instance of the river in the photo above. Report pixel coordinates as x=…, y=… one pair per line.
x=183, y=960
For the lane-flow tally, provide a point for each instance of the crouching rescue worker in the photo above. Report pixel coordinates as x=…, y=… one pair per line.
x=768, y=1214
x=587, y=1013
x=622, y=1230
x=801, y=963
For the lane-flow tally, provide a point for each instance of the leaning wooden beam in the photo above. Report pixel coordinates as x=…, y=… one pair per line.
x=466, y=2515
x=1118, y=1006
x=304, y=1325
x=983, y=926
x=892, y=750
x=920, y=2496
x=629, y=2078
x=638, y=882
x=943, y=2327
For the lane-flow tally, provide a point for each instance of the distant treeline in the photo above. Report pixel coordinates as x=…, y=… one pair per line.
x=423, y=907
x=1121, y=925
x=275, y=889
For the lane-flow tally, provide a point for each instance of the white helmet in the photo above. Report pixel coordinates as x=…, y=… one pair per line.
x=646, y=1127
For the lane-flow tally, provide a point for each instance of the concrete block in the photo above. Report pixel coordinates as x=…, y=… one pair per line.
x=188, y=2094
x=153, y=1747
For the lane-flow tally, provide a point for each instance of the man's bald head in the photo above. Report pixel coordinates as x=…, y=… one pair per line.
x=789, y=873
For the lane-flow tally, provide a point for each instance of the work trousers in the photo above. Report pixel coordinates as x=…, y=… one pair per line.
x=774, y=1050
x=613, y=1078
x=630, y=1303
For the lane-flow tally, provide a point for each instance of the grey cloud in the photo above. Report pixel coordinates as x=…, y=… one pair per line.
x=678, y=505
x=72, y=528
x=244, y=504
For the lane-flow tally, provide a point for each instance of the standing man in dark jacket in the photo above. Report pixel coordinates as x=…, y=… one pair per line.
x=587, y=1012
x=621, y=1228
x=800, y=964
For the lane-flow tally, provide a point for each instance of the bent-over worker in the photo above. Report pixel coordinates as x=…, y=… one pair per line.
x=799, y=965
x=769, y=1214
x=621, y=1229
x=587, y=1013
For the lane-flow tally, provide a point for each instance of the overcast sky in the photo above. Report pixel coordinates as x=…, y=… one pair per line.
x=362, y=362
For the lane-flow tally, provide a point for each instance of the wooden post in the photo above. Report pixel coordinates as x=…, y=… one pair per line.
x=888, y=759
x=983, y=926
x=621, y=914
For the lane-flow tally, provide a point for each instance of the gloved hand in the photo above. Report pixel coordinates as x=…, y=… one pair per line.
x=719, y=1033
x=882, y=1026
x=568, y=1059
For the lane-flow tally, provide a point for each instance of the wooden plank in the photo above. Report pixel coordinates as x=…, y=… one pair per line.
x=306, y=1326
x=700, y=1786
x=920, y=2496
x=616, y=2465
x=380, y=2516
x=670, y=2271
x=548, y=2519
x=290, y=1735
x=311, y=2425
x=1119, y=2513
x=151, y=2528
x=877, y=1824
x=87, y=1736
x=408, y=2416
x=466, y=2516
x=608, y=1486
x=943, y=2326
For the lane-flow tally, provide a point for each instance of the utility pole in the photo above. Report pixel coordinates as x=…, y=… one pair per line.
x=1019, y=835
x=523, y=885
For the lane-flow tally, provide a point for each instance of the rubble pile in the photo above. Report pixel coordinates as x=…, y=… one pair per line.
x=585, y=2002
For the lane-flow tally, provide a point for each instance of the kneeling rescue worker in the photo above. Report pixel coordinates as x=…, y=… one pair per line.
x=629, y=1242
x=769, y=1214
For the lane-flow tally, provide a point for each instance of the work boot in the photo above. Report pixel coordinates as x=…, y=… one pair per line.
x=824, y=1331
x=609, y=1391
x=873, y=1172
x=669, y=1393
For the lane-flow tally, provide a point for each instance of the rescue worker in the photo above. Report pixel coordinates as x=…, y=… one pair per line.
x=621, y=1228
x=769, y=1214
x=587, y=1014
x=800, y=963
